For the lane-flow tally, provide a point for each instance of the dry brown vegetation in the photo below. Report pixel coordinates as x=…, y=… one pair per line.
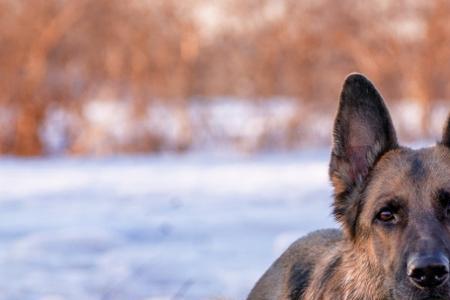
x=60, y=53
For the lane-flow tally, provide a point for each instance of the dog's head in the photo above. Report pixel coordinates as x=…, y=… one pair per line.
x=392, y=202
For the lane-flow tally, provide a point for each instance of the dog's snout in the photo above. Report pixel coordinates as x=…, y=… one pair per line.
x=428, y=271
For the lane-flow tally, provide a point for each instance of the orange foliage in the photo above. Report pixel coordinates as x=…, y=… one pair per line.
x=63, y=53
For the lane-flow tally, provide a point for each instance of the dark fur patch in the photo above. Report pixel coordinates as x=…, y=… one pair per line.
x=298, y=281
x=417, y=171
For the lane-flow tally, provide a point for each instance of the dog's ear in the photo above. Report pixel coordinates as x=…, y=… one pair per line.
x=446, y=135
x=363, y=132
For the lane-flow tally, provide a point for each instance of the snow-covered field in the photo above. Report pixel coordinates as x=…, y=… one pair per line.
x=162, y=227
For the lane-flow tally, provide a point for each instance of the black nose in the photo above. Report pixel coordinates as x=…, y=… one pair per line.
x=428, y=271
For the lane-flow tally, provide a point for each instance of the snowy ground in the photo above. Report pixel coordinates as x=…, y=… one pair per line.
x=166, y=227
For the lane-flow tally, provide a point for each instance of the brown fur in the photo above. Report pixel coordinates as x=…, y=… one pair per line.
x=371, y=173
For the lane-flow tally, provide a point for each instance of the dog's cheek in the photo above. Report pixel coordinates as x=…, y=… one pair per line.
x=384, y=249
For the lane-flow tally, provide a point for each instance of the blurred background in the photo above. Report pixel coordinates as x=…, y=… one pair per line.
x=108, y=76
x=163, y=149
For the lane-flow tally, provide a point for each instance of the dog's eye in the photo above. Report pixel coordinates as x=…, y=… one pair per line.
x=386, y=215
x=444, y=199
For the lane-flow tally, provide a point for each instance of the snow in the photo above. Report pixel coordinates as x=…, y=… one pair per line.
x=198, y=226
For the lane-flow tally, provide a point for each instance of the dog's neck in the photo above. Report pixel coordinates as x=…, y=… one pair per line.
x=349, y=274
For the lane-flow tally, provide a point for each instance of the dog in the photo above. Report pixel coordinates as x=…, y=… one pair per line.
x=393, y=207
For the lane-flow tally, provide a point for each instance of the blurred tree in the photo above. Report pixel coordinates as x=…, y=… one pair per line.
x=57, y=52
x=427, y=59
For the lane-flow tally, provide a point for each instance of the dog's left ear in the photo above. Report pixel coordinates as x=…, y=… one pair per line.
x=363, y=132
x=446, y=135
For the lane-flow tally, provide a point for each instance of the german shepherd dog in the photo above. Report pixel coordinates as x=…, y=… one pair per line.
x=393, y=205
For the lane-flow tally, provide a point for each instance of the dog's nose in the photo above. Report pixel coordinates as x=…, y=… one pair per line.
x=428, y=271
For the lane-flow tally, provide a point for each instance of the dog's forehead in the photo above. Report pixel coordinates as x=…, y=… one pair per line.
x=407, y=171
